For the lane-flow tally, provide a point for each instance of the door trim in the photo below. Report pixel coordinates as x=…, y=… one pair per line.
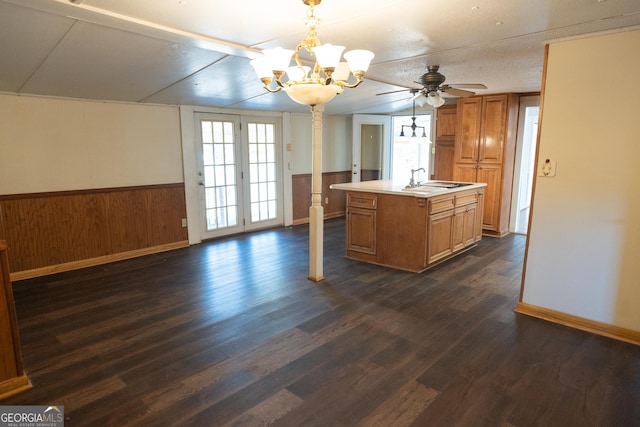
x=370, y=119
x=189, y=161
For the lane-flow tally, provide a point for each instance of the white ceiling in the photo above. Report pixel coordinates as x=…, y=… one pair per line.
x=197, y=52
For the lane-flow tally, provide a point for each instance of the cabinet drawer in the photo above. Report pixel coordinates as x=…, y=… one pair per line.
x=466, y=199
x=362, y=200
x=440, y=204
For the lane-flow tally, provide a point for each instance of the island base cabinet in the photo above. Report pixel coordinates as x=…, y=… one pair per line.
x=412, y=233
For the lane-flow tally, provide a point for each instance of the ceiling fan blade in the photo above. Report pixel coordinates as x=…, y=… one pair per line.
x=468, y=85
x=394, y=91
x=457, y=92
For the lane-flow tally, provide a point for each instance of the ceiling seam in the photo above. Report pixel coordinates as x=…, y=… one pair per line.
x=46, y=58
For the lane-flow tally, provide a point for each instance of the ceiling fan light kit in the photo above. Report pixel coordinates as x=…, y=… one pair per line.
x=434, y=99
x=311, y=85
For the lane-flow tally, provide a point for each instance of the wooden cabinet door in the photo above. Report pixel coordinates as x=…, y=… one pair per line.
x=469, y=225
x=469, y=116
x=361, y=230
x=457, y=231
x=465, y=172
x=444, y=161
x=492, y=176
x=446, y=122
x=493, y=131
x=439, y=229
x=464, y=226
x=444, y=144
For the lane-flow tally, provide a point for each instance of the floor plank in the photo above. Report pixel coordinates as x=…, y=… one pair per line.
x=231, y=333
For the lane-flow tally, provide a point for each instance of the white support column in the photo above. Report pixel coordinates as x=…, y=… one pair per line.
x=316, y=211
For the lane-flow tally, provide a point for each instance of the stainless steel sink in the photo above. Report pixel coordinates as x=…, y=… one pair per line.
x=442, y=184
x=425, y=189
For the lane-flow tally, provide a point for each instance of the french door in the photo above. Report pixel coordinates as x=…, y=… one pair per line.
x=239, y=173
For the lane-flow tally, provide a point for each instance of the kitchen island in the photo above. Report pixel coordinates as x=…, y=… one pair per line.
x=414, y=228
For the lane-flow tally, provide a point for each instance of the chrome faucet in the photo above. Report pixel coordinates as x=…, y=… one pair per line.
x=412, y=182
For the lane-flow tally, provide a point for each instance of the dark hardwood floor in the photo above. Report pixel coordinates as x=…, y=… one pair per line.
x=231, y=333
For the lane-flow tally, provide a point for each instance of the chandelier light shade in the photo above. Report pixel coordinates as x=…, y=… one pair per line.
x=319, y=83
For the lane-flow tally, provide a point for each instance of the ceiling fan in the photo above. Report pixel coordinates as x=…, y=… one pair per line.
x=432, y=83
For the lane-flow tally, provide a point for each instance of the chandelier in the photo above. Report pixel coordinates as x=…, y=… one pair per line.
x=413, y=125
x=311, y=85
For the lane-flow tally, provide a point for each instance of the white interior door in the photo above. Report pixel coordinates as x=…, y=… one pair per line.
x=364, y=128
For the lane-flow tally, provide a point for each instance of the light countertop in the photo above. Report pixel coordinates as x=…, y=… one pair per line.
x=423, y=189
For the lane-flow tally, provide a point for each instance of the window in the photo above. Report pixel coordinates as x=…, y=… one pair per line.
x=410, y=152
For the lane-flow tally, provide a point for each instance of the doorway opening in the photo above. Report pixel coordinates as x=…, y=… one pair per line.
x=371, y=146
x=525, y=161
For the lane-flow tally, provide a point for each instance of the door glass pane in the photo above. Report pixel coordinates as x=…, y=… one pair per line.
x=219, y=174
x=261, y=139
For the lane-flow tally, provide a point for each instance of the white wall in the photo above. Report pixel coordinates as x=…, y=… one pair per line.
x=583, y=255
x=336, y=143
x=56, y=144
x=50, y=144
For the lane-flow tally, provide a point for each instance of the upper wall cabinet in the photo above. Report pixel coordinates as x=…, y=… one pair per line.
x=484, y=151
x=444, y=144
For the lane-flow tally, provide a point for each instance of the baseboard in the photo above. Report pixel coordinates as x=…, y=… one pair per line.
x=75, y=265
x=331, y=215
x=599, y=328
x=491, y=233
x=14, y=386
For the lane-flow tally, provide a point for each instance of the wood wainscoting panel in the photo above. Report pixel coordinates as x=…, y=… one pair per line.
x=301, y=197
x=333, y=201
x=45, y=230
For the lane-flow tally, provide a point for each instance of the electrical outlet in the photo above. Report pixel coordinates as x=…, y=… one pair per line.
x=547, y=168
x=326, y=200
x=184, y=222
